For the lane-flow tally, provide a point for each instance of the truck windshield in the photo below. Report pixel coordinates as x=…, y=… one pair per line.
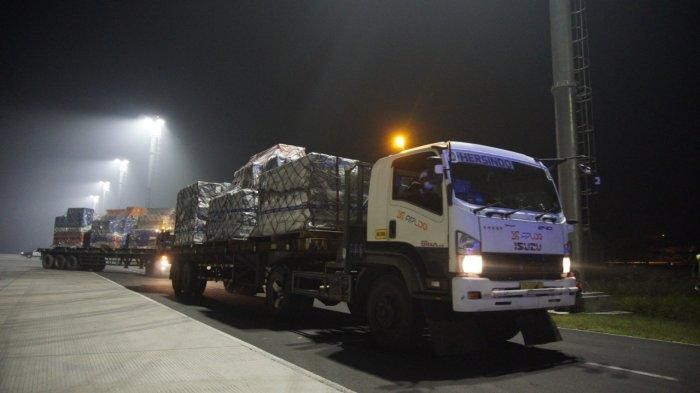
x=516, y=186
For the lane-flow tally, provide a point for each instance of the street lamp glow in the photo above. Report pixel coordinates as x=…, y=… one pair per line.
x=399, y=142
x=154, y=125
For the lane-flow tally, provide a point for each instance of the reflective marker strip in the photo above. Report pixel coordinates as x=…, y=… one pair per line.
x=632, y=371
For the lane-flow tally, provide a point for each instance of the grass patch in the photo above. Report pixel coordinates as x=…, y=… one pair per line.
x=633, y=325
x=654, y=292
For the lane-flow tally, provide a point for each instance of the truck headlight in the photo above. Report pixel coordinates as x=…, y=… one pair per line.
x=566, y=265
x=471, y=264
x=164, y=263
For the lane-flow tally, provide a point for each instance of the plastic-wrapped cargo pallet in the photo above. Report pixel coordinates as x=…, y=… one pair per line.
x=192, y=211
x=248, y=175
x=150, y=224
x=232, y=214
x=304, y=194
x=79, y=217
x=107, y=231
x=77, y=222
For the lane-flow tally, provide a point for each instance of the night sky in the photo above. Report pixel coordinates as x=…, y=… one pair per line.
x=232, y=78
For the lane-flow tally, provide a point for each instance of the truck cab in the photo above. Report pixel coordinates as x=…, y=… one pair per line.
x=482, y=228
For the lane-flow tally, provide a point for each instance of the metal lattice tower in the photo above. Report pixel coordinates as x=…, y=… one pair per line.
x=583, y=106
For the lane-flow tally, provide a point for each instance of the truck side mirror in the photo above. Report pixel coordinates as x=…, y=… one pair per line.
x=439, y=169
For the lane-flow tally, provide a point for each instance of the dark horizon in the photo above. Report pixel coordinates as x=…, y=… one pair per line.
x=336, y=77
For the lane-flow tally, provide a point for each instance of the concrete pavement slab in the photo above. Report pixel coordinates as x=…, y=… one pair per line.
x=76, y=331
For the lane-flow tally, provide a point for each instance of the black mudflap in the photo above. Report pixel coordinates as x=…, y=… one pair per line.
x=537, y=327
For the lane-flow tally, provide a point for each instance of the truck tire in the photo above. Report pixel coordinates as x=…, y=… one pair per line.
x=282, y=304
x=391, y=315
x=191, y=287
x=72, y=262
x=47, y=261
x=175, y=279
x=150, y=268
x=59, y=262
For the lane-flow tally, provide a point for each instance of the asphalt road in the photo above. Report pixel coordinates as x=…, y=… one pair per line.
x=329, y=344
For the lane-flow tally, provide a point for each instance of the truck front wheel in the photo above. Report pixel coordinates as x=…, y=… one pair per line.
x=390, y=313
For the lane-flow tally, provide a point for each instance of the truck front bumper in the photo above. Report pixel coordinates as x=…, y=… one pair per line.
x=481, y=294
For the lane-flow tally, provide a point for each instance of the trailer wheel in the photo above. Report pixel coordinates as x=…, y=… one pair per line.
x=47, y=261
x=390, y=313
x=284, y=305
x=150, y=268
x=72, y=262
x=59, y=262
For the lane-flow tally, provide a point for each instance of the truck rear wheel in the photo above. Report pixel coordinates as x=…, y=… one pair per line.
x=390, y=313
x=72, y=262
x=190, y=287
x=47, y=261
x=175, y=278
x=281, y=302
x=59, y=262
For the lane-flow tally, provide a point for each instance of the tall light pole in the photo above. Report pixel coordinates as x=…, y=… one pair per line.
x=105, y=186
x=563, y=90
x=123, y=169
x=155, y=127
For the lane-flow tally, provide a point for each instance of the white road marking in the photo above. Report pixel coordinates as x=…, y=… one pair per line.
x=635, y=337
x=632, y=371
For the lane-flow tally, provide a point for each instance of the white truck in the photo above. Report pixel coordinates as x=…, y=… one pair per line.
x=464, y=242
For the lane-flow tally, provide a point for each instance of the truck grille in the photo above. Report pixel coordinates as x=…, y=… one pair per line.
x=507, y=267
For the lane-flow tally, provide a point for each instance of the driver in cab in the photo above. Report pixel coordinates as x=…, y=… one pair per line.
x=424, y=192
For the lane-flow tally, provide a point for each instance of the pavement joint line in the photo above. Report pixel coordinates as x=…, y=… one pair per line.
x=116, y=352
x=251, y=347
x=632, y=371
x=635, y=337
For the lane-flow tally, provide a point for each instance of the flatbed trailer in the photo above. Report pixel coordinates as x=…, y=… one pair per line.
x=96, y=259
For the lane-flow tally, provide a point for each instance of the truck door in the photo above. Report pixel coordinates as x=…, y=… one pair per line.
x=416, y=209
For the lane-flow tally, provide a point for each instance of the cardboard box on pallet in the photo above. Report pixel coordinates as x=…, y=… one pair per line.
x=307, y=193
x=192, y=211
